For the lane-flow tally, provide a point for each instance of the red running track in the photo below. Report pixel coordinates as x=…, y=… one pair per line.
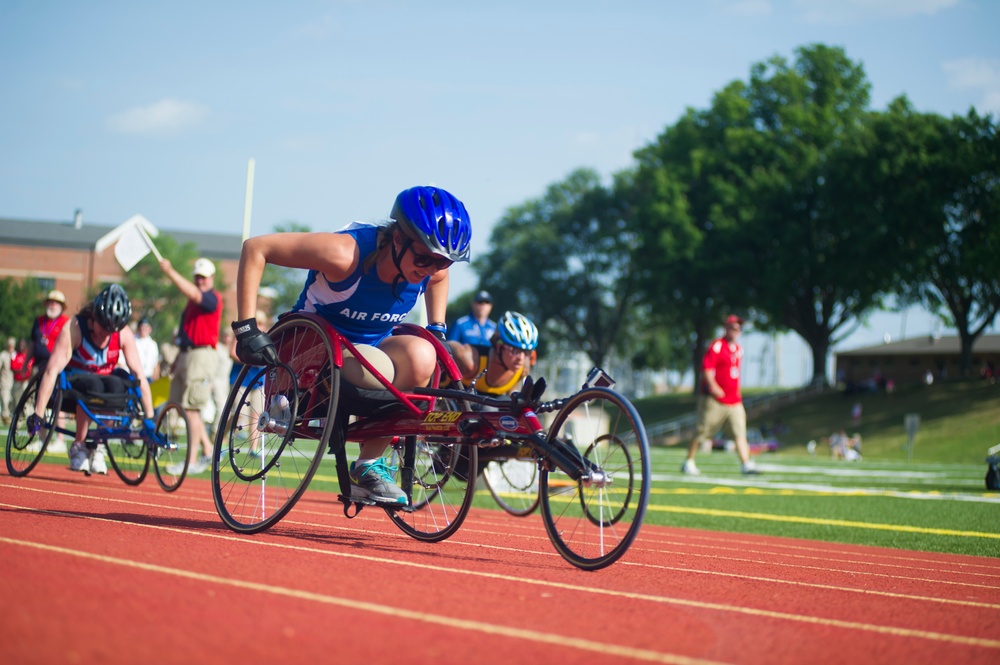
x=95, y=571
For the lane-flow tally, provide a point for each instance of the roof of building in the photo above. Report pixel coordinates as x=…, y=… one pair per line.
x=927, y=345
x=67, y=235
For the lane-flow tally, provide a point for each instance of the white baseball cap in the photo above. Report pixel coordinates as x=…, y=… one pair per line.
x=204, y=267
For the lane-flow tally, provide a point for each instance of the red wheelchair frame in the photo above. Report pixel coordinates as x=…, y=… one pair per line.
x=593, y=458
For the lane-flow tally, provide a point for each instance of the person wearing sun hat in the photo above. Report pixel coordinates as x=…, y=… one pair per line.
x=194, y=368
x=720, y=403
x=44, y=333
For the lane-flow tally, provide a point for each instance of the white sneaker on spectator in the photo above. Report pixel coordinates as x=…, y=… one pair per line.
x=97, y=464
x=79, y=457
x=57, y=446
x=199, y=465
x=689, y=468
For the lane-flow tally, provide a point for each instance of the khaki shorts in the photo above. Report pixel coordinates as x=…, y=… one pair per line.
x=712, y=416
x=191, y=384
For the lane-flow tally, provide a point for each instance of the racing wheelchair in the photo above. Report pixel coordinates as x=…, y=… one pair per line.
x=592, y=460
x=116, y=424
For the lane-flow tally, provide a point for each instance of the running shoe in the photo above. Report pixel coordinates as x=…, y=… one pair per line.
x=374, y=481
x=96, y=461
x=79, y=457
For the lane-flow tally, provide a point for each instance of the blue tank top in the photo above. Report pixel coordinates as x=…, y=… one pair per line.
x=362, y=307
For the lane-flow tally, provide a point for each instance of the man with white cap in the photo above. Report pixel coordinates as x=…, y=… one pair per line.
x=194, y=369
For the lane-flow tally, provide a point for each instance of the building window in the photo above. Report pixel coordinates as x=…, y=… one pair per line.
x=46, y=283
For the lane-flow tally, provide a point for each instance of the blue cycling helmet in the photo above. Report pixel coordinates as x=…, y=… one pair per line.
x=435, y=218
x=518, y=331
x=112, y=308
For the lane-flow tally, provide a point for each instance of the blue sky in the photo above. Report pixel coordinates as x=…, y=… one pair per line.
x=119, y=108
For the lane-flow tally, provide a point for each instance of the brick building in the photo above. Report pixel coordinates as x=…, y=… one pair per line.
x=75, y=257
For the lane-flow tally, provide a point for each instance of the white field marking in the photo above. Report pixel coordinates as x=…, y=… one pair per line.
x=818, y=554
x=814, y=488
x=352, y=604
x=683, y=602
x=842, y=549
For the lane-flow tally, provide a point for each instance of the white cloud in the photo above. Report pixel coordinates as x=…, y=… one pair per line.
x=980, y=74
x=852, y=11
x=167, y=117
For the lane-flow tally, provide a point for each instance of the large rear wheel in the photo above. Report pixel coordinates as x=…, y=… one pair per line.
x=275, y=428
x=128, y=453
x=171, y=462
x=513, y=483
x=444, y=485
x=25, y=450
x=593, y=521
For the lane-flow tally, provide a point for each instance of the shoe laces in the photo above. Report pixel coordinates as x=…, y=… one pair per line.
x=383, y=470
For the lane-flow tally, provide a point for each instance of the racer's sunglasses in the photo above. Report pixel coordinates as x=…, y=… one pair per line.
x=514, y=351
x=424, y=260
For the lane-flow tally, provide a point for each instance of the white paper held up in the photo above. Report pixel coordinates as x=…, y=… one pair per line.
x=131, y=248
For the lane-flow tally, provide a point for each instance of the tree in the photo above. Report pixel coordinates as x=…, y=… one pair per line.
x=21, y=302
x=564, y=259
x=287, y=282
x=958, y=220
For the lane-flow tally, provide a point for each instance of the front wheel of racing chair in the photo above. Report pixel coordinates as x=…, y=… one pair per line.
x=593, y=521
x=25, y=450
x=275, y=427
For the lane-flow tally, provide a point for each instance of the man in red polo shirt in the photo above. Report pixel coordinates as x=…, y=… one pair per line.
x=719, y=401
x=194, y=369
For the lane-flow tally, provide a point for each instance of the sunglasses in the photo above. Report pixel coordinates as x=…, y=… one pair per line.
x=422, y=260
x=514, y=351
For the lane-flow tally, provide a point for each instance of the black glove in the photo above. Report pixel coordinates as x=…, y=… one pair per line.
x=254, y=347
x=439, y=330
x=34, y=424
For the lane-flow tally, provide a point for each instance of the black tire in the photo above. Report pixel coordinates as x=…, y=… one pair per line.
x=24, y=451
x=128, y=454
x=593, y=522
x=170, y=464
x=258, y=474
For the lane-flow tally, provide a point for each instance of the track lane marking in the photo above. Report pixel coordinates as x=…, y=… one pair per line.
x=581, y=644
x=664, y=600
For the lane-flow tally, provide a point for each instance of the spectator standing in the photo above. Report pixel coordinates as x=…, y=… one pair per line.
x=7, y=379
x=44, y=333
x=149, y=350
x=221, y=382
x=476, y=328
x=720, y=402
x=22, y=371
x=194, y=369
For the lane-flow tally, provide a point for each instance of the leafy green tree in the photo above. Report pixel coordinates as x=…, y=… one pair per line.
x=21, y=302
x=564, y=261
x=954, y=195
x=287, y=282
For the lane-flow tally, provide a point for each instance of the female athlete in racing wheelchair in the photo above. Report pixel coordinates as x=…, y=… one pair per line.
x=83, y=376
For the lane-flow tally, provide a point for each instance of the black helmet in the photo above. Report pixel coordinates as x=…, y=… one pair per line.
x=112, y=308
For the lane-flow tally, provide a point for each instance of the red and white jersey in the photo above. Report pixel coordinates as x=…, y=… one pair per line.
x=724, y=357
x=88, y=358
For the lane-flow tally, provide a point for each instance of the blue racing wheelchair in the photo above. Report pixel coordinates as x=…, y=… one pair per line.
x=116, y=425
